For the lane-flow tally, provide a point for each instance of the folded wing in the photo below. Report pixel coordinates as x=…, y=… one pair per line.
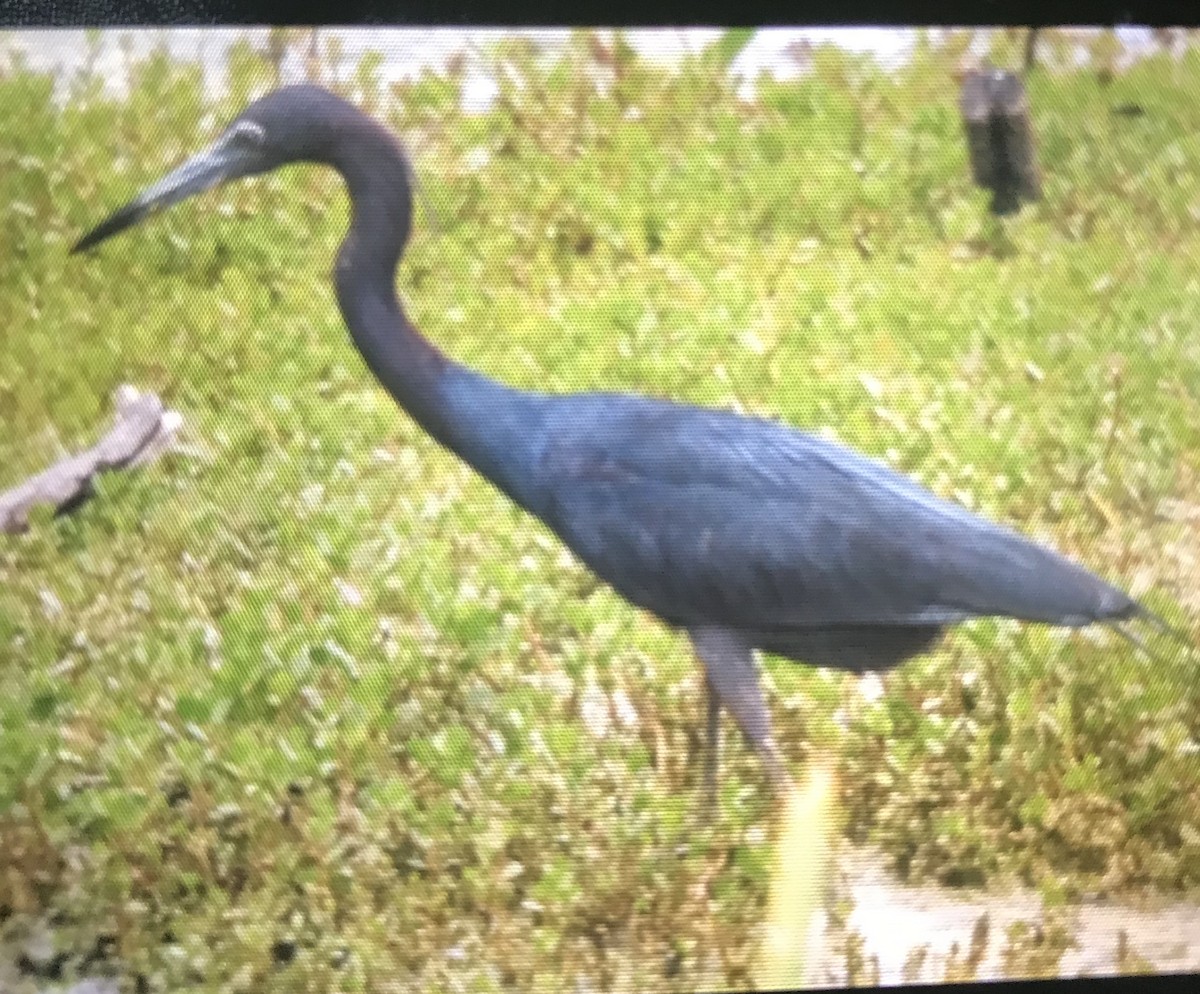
x=709, y=518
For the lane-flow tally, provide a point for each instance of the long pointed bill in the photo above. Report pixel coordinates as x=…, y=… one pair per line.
x=222, y=161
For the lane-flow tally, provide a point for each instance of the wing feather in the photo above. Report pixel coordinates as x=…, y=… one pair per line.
x=706, y=517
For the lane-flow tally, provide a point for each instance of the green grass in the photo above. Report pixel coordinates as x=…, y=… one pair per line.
x=210, y=752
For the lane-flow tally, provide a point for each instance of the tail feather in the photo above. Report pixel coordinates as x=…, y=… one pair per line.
x=1155, y=621
x=1163, y=627
x=1133, y=639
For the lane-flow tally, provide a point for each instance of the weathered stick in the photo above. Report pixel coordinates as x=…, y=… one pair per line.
x=142, y=430
x=995, y=111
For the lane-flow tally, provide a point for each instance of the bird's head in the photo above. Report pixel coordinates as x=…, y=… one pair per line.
x=292, y=124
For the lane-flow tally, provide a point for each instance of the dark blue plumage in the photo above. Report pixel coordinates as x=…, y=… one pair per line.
x=741, y=531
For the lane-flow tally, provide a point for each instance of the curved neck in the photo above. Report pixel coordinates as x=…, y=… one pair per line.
x=376, y=176
x=487, y=424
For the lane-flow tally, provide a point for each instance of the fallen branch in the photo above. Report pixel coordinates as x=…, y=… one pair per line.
x=142, y=430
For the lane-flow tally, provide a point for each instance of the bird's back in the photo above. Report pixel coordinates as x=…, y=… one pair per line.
x=810, y=550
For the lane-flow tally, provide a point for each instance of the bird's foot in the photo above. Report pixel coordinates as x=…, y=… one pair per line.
x=781, y=780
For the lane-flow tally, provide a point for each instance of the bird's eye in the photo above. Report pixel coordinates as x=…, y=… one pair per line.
x=247, y=133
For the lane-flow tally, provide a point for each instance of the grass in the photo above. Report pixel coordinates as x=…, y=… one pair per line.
x=308, y=706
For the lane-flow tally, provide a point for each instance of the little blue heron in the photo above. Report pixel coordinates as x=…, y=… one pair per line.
x=741, y=531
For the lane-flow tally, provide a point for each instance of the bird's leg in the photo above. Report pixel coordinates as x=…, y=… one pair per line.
x=713, y=750
x=733, y=684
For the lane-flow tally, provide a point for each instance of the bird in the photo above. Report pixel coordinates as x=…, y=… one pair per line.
x=743, y=532
x=995, y=112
